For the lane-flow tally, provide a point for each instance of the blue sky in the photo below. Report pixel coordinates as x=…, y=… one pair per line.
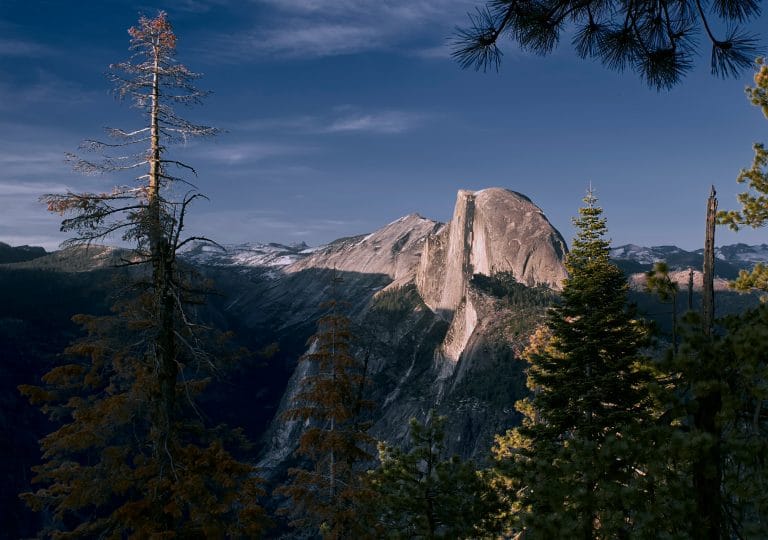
x=343, y=115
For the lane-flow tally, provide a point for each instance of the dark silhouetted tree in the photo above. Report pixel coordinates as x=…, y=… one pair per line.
x=132, y=455
x=657, y=40
x=659, y=282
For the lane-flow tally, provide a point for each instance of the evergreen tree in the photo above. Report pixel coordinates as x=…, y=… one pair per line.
x=583, y=463
x=754, y=201
x=659, y=282
x=420, y=494
x=132, y=456
x=716, y=405
x=325, y=495
x=655, y=39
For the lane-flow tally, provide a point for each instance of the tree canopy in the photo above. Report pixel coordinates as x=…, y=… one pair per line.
x=656, y=39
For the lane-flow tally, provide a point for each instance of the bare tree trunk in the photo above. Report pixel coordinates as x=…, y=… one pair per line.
x=162, y=272
x=690, y=289
x=708, y=289
x=707, y=469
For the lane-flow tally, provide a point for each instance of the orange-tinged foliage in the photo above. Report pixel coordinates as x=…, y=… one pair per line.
x=131, y=456
x=156, y=32
x=104, y=474
x=325, y=496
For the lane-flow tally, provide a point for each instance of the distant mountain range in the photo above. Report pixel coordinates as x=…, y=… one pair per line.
x=270, y=257
x=728, y=259
x=11, y=254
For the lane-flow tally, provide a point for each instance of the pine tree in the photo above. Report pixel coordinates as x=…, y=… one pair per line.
x=716, y=404
x=325, y=495
x=657, y=40
x=754, y=201
x=421, y=494
x=659, y=282
x=582, y=464
x=132, y=456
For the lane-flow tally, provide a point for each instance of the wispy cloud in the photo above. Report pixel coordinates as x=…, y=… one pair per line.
x=386, y=122
x=343, y=119
x=247, y=152
x=24, y=219
x=199, y=6
x=45, y=89
x=25, y=48
x=317, y=40
x=30, y=190
x=319, y=28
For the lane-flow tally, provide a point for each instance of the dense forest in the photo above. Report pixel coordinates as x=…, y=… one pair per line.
x=624, y=428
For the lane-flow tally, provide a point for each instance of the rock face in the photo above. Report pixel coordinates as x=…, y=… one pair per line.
x=492, y=231
x=446, y=333
x=393, y=250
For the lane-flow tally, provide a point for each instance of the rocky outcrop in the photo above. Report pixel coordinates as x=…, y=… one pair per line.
x=430, y=331
x=492, y=231
x=394, y=250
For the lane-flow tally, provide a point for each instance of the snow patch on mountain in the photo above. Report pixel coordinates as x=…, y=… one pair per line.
x=249, y=255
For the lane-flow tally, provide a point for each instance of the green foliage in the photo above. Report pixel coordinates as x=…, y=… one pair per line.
x=657, y=40
x=505, y=287
x=420, y=494
x=582, y=464
x=657, y=281
x=754, y=201
x=392, y=306
x=715, y=400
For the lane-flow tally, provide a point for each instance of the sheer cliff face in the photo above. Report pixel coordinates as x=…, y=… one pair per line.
x=494, y=230
x=441, y=335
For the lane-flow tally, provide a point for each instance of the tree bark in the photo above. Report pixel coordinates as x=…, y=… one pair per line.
x=707, y=469
x=708, y=289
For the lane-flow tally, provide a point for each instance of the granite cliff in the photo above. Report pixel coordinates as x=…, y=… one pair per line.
x=446, y=333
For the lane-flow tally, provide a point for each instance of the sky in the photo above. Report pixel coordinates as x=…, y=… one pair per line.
x=340, y=116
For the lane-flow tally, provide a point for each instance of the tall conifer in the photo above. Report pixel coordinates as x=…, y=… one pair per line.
x=132, y=456
x=331, y=401
x=580, y=465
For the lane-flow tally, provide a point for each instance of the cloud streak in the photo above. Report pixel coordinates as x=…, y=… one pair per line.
x=321, y=28
x=344, y=120
x=22, y=48
x=247, y=152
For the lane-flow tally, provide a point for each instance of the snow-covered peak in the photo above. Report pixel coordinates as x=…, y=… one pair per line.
x=643, y=255
x=743, y=253
x=246, y=255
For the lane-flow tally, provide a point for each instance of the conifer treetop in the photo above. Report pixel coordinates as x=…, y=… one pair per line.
x=590, y=244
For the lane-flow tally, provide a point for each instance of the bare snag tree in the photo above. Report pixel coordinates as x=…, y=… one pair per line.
x=656, y=39
x=132, y=455
x=149, y=214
